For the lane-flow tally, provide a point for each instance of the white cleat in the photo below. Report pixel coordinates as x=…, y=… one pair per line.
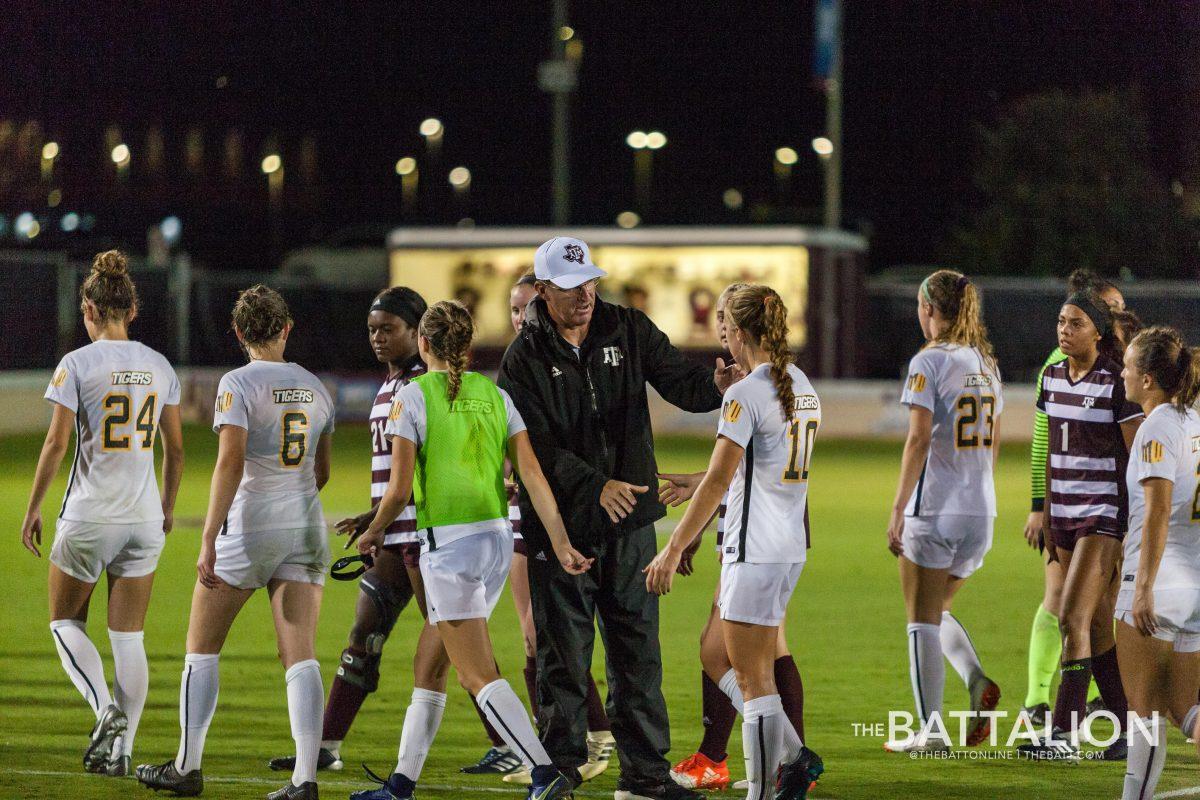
x=600, y=745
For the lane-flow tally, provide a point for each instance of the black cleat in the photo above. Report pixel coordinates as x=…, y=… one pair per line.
x=119, y=767
x=669, y=790
x=305, y=791
x=1038, y=715
x=795, y=779
x=166, y=777
x=495, y=762
x=1057, y=747
x=108, y=728
x=1117, y=751
x=325, y=760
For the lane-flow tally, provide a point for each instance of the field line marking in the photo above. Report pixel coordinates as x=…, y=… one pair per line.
x=1189, y=791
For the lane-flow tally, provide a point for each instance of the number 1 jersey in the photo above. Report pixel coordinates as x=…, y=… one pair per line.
x=285, y=409
x=955, y=383
x=117, y=390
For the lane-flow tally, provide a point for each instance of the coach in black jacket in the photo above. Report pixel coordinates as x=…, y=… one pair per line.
x=577, y=372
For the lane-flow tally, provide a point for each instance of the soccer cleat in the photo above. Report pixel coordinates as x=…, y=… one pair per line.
x=915, y=744
x=600, y=745
x=1095, y=706
x=795, y=780
x=523, y=776
x=118, y=767
x=1117, y=751
x=165, y=776
x=698, y=771
x=549, y=784
x=326, y=759
x=108, y=728
x=741, y=786
x=985, y=696
x=496, y=761
x=1055, y=748
x=664, y=791
x=305, y=791
x=396, y=787
x=1038, y=715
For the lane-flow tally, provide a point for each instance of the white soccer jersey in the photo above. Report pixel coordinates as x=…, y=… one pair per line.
x=764, y=519
x=965, y=397
x=117, y=390
x=285, y=409
x=1167, y=445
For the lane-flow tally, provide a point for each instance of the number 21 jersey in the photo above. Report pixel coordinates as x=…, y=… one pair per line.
x=285, y=409
x=955, y=383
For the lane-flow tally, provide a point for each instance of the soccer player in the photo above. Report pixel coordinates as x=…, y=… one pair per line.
x=945, y=505
x=117, y=394
x=1045, y=641
x=466, y=539
x=707, y=768
x=600, y=740
x=385, y=589
x=1158, y=606
x=765, y=437
x=264, y=527
x=1091, y=425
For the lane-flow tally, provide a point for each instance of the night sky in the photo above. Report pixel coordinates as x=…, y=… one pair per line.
x=727, y=82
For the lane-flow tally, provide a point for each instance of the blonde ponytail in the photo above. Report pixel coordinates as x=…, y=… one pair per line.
x=759, y=311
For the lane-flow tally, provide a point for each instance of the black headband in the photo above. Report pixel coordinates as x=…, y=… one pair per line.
x=1100, y=317
x=405, y=304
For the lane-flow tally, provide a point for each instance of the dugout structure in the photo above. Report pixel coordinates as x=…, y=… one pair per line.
x=674, y=274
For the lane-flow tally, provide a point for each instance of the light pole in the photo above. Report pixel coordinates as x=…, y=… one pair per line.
x=406, y=168
x=460, y=179
x=557, y=76
x=644, y=144
x=49, y=154
x=272, y=167
x=785, y=159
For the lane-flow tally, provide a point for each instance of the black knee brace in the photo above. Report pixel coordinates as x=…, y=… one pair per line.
x=361, y=670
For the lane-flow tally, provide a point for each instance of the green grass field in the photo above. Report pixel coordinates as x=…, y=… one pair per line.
x=845, y=626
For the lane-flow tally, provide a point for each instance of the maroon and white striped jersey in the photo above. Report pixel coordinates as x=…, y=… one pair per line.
x=404, y=529
x=1087, y=450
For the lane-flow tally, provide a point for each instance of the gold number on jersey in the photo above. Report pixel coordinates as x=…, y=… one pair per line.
x=117, y=412
x=793, y=472
x=970, y=409
x=293, y=435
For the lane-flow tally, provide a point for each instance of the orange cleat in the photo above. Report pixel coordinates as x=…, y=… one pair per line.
x=985, y=696
x=698, y=771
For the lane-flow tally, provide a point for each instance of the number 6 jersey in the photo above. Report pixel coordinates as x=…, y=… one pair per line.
x=284, y=409
x=764, y=515
x=117, y=390
x=955, y=383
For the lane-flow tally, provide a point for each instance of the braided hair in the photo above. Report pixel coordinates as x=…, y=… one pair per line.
x=759, y=311
x=448, y=328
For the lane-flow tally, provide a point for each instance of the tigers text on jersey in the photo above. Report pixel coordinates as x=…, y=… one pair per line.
x=955, y=383
x=117, y=390
x=404, y=529
x=1087, y=448
x=1167, y=445
x=764, y=519
x=284, y=409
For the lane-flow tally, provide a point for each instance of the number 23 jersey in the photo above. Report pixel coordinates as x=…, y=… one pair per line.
x=285, y=409
x=764, y=516
x=955, y=383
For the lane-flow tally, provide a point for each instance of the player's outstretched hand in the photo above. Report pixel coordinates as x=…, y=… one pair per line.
x=895, y=533
x=206, y=567
x=1143, y=611
x=678, y=487
x=661, y=571
x=352, y=526
x=685, y=567
x=31, y=532
x=726, y=376
x=572, y=560
x=618, y=498
x=1033, y=529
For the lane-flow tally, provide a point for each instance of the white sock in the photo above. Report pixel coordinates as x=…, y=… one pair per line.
x=332, y=745
x=197, y=703
x=131, y=679
x=1188, y=724
x=510, y=719
x=926, y=668
x=306, y=705
x=729, y=685
x=768, y=740
x=1144, y=765
x=959, y=650
x=82, y=663
x=421, y=723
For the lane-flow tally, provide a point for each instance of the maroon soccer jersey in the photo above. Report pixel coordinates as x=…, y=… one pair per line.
x=404, y=529
x=1087, y=449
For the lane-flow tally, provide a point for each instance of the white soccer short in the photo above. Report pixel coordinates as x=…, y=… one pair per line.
x=252, y=560
x=948, y=541
x=464, y=578
x=757, y=593
x=1177, y=612
x=86, y=550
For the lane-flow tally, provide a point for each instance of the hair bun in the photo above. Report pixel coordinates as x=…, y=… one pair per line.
x=111, y=262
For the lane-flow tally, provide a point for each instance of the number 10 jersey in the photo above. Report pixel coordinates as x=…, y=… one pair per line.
x=964, y=394
x=285, y=409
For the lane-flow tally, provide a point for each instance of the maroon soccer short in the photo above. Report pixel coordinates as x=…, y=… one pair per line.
x=409, y=551
x=520, y=548
x=1066, y=540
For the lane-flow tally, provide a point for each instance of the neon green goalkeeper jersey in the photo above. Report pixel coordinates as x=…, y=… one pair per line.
x=1041, y=440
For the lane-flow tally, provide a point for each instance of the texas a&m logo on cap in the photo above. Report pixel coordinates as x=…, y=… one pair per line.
x=573, y=252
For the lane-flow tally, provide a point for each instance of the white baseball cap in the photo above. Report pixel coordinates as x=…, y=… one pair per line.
x=565, y=262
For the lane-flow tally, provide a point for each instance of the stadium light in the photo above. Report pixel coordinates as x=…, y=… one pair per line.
x=637, y=140
x=54, y=198
x=120, y=155
x=566, y=33
x=628, y=219
x=432, y=128
x=733, y=199
x=271, y=164
x=655, y=140
x=406, y=166
x=70, y=222
x=786, y=156
x=49, y=151
x=822, y=146
x=460, y=177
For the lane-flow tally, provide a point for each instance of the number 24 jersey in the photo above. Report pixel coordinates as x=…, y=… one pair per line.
x=955, y=383
x=285, y=409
